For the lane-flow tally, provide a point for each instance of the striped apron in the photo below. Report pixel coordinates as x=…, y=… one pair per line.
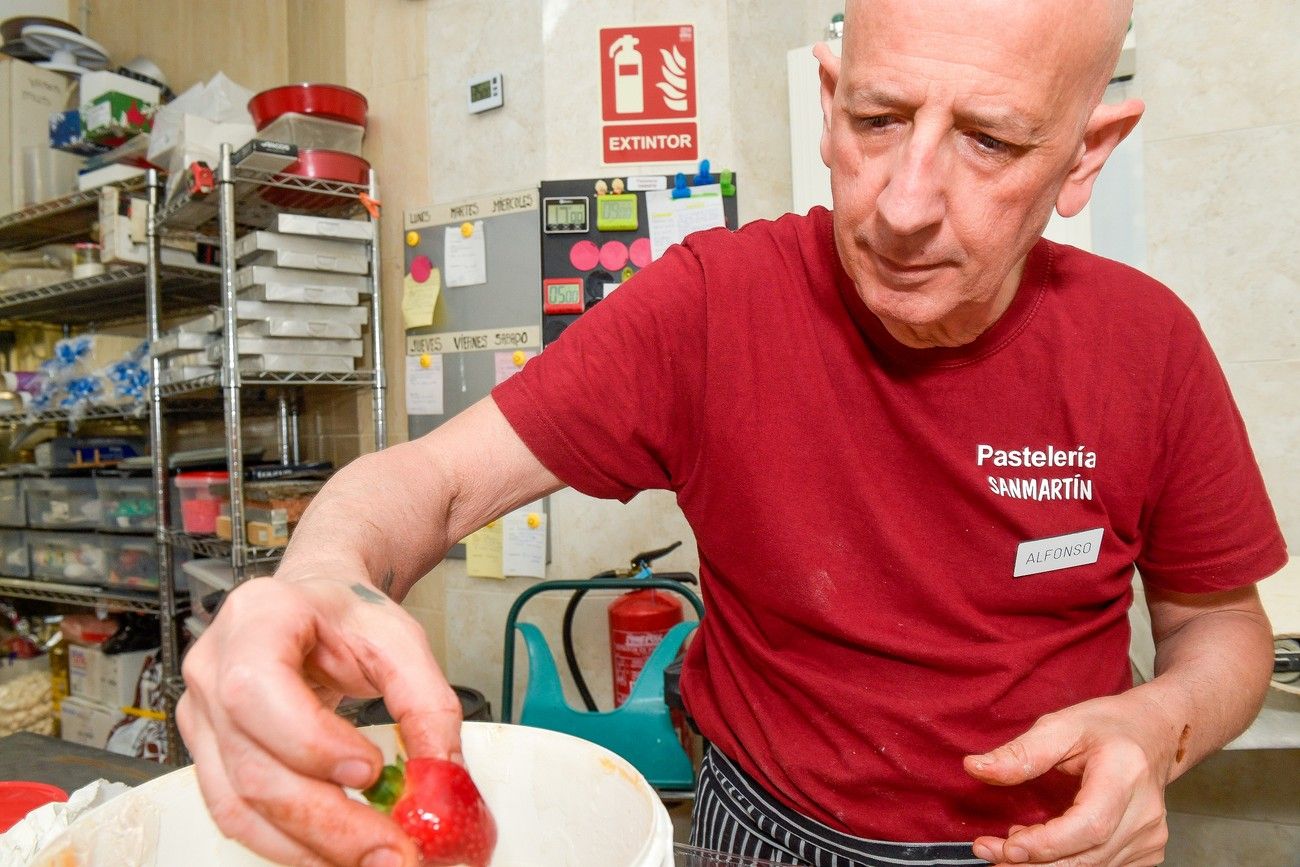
x=733, y=814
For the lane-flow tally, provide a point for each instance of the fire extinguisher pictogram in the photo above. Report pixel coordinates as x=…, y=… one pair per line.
x=629, y=83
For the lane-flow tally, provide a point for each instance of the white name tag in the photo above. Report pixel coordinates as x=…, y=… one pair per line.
x=1058, y=552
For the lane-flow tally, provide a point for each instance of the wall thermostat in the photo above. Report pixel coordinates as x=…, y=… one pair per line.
x=486, y=92
x=562, y=295
x=616, y=213
x=565, y=214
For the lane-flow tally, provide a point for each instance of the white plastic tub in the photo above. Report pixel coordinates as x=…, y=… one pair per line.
x=558, y=802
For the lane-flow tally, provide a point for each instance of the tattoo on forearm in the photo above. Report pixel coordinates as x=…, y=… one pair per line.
x=386, y=583
x=368, y=594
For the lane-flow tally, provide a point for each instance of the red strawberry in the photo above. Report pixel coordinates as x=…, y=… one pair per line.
x=442, y=811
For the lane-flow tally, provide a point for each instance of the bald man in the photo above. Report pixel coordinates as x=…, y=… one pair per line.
x=922, y=451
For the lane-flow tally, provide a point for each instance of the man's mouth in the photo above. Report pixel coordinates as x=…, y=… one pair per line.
x=905, y=269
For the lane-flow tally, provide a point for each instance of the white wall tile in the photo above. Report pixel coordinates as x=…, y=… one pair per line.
x=1220, y=227
x=1269, y=400
x=1206, y=67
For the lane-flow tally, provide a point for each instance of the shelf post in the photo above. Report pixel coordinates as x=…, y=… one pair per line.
x=380, y=385
x=168, y=627
x=230, y=380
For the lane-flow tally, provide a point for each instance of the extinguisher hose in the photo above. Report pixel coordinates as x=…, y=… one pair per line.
x=572, y=658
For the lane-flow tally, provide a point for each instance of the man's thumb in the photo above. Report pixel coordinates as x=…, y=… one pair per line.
x=1031, y=755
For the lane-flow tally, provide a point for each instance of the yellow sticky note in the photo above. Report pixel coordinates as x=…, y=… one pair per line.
x=483, y=552
x=419, y=299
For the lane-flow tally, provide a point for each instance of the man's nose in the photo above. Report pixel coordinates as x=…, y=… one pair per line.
x=913, y=197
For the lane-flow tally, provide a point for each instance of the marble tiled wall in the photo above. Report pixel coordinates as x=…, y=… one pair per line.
x=550, y=128
x=1222, y=86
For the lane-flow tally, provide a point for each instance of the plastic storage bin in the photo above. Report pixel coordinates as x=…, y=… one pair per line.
x=13, y=505
x=71, y=558
x=126, y=503
x=58, y=503
x=308, y=131
x=209, y=581
x=201, y=495
x=13, y=554
x=131, y=562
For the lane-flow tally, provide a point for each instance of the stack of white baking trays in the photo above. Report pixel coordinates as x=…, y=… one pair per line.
x=300, y=289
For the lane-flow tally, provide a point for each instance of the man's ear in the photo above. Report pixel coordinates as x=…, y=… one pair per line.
x=830, y=75
x=1106, y=128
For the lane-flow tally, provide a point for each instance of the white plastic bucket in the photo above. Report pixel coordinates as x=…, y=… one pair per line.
x=559, y=801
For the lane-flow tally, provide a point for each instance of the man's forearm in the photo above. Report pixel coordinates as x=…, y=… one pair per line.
x=1212, y=672
x=383, y=515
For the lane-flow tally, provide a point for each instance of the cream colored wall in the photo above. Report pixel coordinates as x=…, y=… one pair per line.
x=190, y=41
x=1222, y=86
x=550, y=128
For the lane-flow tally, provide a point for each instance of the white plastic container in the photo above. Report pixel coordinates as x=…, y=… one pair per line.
x=13, y=554
x=299, y=328
x=290, y=345
x=267, y=311
x=302, y=251
x=208, y=579
x=201, y=495
x=280, y=363
x=70, y=558
x=324, y=227
x=62, y=503
x=292, y=294
x=558, y=801
x=267, y=275
x=312, y=131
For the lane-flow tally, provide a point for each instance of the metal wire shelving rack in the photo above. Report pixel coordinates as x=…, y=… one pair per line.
x=238, y=203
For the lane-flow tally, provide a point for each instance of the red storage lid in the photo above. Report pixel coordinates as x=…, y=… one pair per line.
x=202, y=478
x=18, y=798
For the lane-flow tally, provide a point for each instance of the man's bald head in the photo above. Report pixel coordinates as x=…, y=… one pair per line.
x=1084, y=37
x=953, y=128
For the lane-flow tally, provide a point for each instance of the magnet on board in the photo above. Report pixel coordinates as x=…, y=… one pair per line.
x=412, y=238
x=627, y=273
x=534, y=520
x=617, y=186
x=728, y=185
x=680, y=190
x=601, y=187
x=519, y=358
x=426, y=360
x=466, y=229
x=703, y=177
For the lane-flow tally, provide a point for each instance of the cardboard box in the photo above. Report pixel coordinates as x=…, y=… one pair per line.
x=28, y=96
x=86, y=722
x=115, y=106
x=108, y=679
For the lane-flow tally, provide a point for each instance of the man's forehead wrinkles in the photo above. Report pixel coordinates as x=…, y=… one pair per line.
x=981, y=110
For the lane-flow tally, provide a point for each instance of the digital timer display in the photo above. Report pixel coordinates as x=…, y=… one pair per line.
x=562, y=295
x=616, y=213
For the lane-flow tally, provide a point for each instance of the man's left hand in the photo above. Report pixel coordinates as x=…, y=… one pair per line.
x=1123, y=751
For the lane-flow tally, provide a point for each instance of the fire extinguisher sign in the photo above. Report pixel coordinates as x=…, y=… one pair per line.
x=648, y=94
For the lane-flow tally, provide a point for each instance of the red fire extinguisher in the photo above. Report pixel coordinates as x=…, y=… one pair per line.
x=638, y=621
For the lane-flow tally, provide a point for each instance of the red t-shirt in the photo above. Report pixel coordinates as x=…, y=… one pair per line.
x=859, y=506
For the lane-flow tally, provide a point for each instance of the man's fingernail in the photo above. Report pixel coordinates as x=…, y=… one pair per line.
x=382, y=858
x=1016, y=855
x=354, y=773
x=984, y=852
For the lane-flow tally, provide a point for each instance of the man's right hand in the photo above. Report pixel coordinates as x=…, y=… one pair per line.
x=258, y=717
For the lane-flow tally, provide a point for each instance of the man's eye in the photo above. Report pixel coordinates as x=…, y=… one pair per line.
x=879, y=121
x=989, y=143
